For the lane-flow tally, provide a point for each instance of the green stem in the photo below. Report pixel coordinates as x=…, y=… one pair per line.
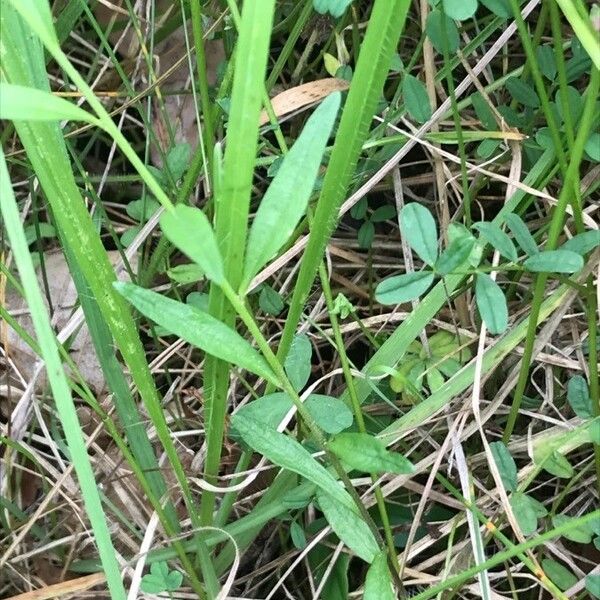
x=554, y=230
x=286, y=386
x=360, y=421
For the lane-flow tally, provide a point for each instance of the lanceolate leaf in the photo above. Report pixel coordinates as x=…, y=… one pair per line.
x=435, y=31
x=366, y=453
x=578, y=396
x=455, y=255
x=188, y=229
x=285, y=201
x=491, y=304
x=403, y=288
x=349, y=527
x=284, y=451
x=497, y=238
x=554, y=261
x=582, y=243
x=521, y=232
x=197, y=328
x=378, y=584
x=20, y=103
x=416, y=99
x=298, y=361
x=418, y=227
x=506, y=465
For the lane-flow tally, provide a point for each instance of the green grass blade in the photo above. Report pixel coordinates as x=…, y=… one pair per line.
x=59, y=384
x=385, y=25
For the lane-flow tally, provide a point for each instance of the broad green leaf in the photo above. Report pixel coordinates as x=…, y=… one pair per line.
x=522, y=92
x=491, y=303
x=185, y=274
x=556, y=464
x=497, y=238
x=574, y=104
x=435, y=31
x=297, y=535
x=198, y=328
x=416, y=99
x=546, y=61
x=580, y=535
x=383, y=213
x=20, y=103
x=554, y=261
x=366, y=453
x=348, y=526
x=460, y=10
x=141, y=210
x=455, y=255
x=592, y=585
x=578, y=396
x=524, y=512
x=483, y=111
x=403, y=288
x=561, y=576
x=287, y=197
x=521, y=232
x=188, y=229
x=499, y=7
x=161, y=579
x=378, y=583
x=366, y=233
x=39, y=231
x=298, y=362
x=582, y=243
x=506, y=465
x=178, y=159
x=435, y=380
x=330, y=414
x=284, y=451
x=335, y=8
x=592, y=147
x=332, y=64
x=270, y=301
x=418, y=227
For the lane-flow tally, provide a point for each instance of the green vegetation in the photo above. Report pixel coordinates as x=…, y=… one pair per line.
x=300, y=300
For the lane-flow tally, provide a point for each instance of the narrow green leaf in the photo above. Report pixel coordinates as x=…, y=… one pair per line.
x=416, y=98
x=366, y=453
x=188, y=229
x=497, y=238
x=554, y=261
x=366, y=233
x=455, y=255
x=20, y=103
x=348, y=526
x=578, y=396
x=483, y=111
x=506, y=465
x=418, y=227
x=460, y=10
x=287, y=197
x=559, y=575
x=582, y=243
x=284, y=451
x=298, y=362
x=197, y=328
x=522, y=92
x=521, y=232
x=491, y=303
x=435, y=31
x=403, y=288
x=378, y=583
